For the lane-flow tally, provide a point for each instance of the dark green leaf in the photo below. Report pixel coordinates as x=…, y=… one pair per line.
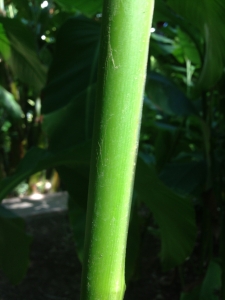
x=5, y=50
x=161, y=45
x=38, y=159
x=208, y=17
x=165, y=136
x=177, y=230
x=163, y=13
x=74, y=65
x=88, y=7
x=192, y=295
x=24, y=9
x=75, y=118
x=212, y=282
x=77, y=216
x=174, y=214
x=210, y=287
x=14, y=246
x=188, y=48
x=185, y=177
x=133, y=245
x=75, y=179
x=166, y=96
x=24, y=60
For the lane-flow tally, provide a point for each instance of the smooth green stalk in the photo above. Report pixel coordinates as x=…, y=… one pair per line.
x=122, y=71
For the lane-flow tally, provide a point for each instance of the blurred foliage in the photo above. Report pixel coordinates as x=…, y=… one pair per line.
x=48, y=72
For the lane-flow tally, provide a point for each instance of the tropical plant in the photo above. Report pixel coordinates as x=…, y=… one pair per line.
x=123, y=60
x=180, y=165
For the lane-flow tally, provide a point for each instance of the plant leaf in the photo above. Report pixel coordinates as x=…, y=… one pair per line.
x=9, y=104
x=133, y=245
x=212, y=282
x=24, y=60
x=88, y=7
x=38, y=159
x=163, y=13
x=166, y=95
x=209, y=289
x=4, y=44
x=165, y=136
x=74, y=65
x=192, y=295
x=75, y=118
x=174, y=214
x=14, y=246
x=185, y=177
x=77, y=217
x=208, y=17
x=188, y=47
x=24, y=10
x=177, y=230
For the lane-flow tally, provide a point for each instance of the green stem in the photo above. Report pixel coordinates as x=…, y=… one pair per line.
x=123, y=59
x=222, y=254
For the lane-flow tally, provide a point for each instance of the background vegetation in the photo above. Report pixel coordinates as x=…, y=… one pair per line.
x=48, y=69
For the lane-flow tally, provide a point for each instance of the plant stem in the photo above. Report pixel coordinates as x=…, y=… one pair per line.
x=123, y=59
x=222, y=254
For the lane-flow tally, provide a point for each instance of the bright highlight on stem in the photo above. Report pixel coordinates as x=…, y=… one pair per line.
x=126, y=30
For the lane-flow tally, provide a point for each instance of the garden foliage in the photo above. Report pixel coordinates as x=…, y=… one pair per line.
x=52, y=54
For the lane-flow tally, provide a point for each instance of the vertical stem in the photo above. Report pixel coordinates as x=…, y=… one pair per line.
x=222, y=254
x=123, y=59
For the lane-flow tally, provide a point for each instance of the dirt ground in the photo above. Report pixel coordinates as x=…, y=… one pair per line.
x=55, y=270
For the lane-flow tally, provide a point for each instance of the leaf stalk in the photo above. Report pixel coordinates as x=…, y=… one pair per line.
x=122, y=71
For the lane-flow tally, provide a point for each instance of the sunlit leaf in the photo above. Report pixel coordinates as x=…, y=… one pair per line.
x=208, y=17
x=24, y=60
x=5, y=50
x=163, y=13
x=161, y=45
x=189, y=49
x=9, y=104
